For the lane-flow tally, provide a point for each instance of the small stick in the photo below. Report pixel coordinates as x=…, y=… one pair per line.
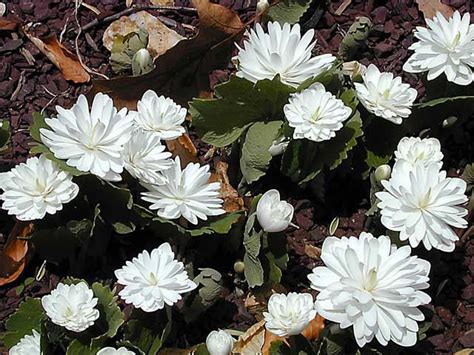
x=136, y=8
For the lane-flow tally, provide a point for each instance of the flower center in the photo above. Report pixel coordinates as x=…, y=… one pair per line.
x=153, y=279
x=424, y=201
x=371, y=280
x=316, y=115
x=69, y=313
x=386, y=94
x=455, y=42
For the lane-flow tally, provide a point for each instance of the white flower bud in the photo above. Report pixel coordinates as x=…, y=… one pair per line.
x=353, y=69
x=383, y=172
x=3, y=9
x=273, y=214
x=218, y=342
x=239, y=267
x=278, y=146
x=142, y=62
x=262, y=6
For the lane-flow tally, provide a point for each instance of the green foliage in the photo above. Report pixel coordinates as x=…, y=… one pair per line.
x=4, y=136
x=355, y=38
x=288, y=11
x=123, y=52
x=443, y=100
x=303, y=160
x=238, y=103
x=39, y=148
x=253, y=270
x=27, y=317
x=108, y=308
x=210, y=287
x=255, y=156
x=468, y=176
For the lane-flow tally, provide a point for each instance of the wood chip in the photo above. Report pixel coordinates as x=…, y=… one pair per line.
x=342, y=7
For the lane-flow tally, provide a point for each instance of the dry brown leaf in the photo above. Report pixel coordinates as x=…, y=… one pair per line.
x=465, y=352
x=13, y=259
x=8, y=25
x=163, y=2
x=232, y=201
x=160, y=37
x=430, y=7
x=345, y=4
x=257, y=340
x=61, y=57
x=312, y=251
x=183, y=71
x=184, y=148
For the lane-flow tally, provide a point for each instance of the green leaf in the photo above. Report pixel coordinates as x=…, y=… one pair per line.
x=252, y=242
x=278, y=347
x=303, y=160
x=288, y=11
x=349, y=97
x=220, y=226
x=255, y=156
x=27, y=317
x=443, y=100
x=78, y=348
x=107, y=305
x=238, y=103
x=38, y=123
x=42, y=149
x=4, y=135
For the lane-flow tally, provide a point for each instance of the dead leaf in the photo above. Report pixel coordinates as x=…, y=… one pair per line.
x=160, y=37
x=163, y=2
x=345, y=4
x=257, y=340
x=232, y=201
x=8, y=25
x=312, y=251
x=430, y=7
x=184, y=148
x=183, y=71
x=469, y=351
x=13, y=259
x=61, y=57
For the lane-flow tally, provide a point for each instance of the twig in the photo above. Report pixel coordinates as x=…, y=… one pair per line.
x=136, y=8
x=18, y=87
x=76, y=42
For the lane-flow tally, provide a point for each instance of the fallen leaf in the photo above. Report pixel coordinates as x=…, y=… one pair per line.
x=312, y=251
x=345, y=4
x=257, y=340
x=61, y=57
x=163, y=2
x=232, y=201
x=430, y=7
x=184, y=148
x=13, y=259
x=8, y=25
x=183, y=71
x=160, y=37
x=469, y=351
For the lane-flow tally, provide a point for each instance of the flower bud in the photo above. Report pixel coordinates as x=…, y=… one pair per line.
x=278, y=146
x=142, y=62
x=383, y=172
x=262, y=6
x=218, y=342
x=353, y=69
x=273, y=214
x=449, y=122
x=239, y=267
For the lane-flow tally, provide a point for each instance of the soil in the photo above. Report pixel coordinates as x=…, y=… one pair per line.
x=26, y=87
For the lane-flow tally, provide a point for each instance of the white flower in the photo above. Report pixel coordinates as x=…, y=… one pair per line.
x=112, y=351
x=315, y=114
x=91, y=141
x=415, y=150
x=35, y=188
x=283, y=52
x=153, y=279
x=144, y=158
x=187, y=193
x=159, y=115
x=289, y=314
x=422, y=204
x=28, y=345
x=71, y=306
x=272, y=214
x=374, y=287
x=445, y=46
x=218, y=342
x=384, y=95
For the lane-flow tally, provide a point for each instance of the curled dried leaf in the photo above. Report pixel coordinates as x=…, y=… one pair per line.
x=184, y=148
x=232, y=201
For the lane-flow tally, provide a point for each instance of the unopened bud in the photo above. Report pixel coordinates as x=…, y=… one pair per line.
x=450, y=121
x=353, y=69
x=142, y=62
x=383, y=172
x=239, y=267
x=262, y=6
